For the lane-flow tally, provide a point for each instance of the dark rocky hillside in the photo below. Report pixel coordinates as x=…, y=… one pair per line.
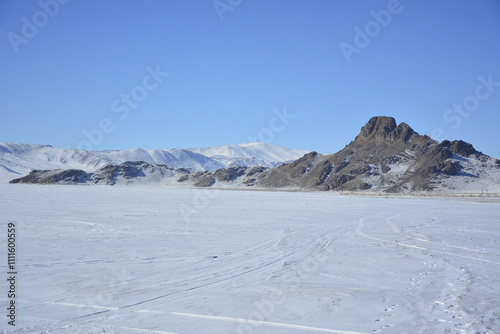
x=384, y=156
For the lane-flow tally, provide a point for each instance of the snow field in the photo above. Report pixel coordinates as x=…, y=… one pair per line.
x=127, y=260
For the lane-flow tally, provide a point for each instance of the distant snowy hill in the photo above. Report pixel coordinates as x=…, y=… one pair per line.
x=252, y=154
x=17, y=160
x=174, y=158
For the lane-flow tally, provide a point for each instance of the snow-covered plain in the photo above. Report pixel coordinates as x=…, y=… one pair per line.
x=158, y=260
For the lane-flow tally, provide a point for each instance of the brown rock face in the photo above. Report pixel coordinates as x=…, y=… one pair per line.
x=385, y=128
x=378, y=127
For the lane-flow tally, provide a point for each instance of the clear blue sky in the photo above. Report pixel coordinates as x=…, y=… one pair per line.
x=226, y=76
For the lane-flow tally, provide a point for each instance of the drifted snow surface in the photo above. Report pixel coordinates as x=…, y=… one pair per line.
x=155, y=260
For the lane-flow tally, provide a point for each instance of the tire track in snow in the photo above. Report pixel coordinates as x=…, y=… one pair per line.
x=447, y=314
x=202, y=285
x=397, y=230
x=83, y=327
x=319, y=244
x=361, y=226
x=236, y=274
x=113, y=311
x=100, y=310
x=87, y=324
x=160, y=277
x=136, y=330
x=266, y=323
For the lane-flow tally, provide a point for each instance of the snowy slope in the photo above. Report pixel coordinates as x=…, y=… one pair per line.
x=174, y=158
x=475, y=177
x=18, y=159
x=264, y=151
x=252, y=154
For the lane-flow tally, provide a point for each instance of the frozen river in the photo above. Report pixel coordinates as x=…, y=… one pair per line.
x=95, y=259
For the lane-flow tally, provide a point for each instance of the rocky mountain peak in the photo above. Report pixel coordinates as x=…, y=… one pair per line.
x=385, y=128
x=377, y=126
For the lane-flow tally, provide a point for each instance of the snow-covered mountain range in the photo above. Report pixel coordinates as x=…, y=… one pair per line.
x=17, y=160
x=385, y=156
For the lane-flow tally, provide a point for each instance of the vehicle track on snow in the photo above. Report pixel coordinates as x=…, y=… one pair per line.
x=442, y=280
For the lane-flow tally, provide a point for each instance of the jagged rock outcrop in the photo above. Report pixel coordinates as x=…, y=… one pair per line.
x=61, y=176
x=126, y=173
